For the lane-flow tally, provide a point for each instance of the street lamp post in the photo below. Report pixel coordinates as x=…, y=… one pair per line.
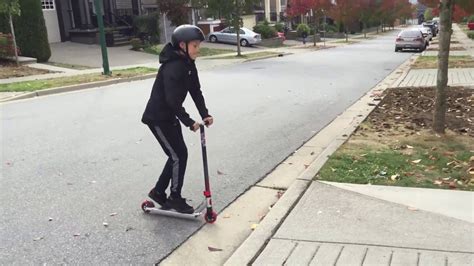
x=100, y=22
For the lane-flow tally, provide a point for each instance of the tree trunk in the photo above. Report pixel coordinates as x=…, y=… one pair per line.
x=315, y=17
x=12, y=29
x=439, y=117
x=237, y=28
x=364, y=30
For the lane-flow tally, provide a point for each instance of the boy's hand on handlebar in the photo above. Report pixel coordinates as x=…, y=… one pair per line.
x=208, y=121
x=195, y=126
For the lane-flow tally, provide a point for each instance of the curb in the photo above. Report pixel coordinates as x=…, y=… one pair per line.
x=76, y=87
x=267, y=56
x=251, y=248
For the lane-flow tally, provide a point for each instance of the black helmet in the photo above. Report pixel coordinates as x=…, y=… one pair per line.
x=186, y=33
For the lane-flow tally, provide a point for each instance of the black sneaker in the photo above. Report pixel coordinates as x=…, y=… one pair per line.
x=180, y=205
x=159, y=198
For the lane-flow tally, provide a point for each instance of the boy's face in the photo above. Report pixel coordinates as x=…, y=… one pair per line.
x=193, y=48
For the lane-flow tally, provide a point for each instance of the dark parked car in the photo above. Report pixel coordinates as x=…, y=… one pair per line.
x=433, y=26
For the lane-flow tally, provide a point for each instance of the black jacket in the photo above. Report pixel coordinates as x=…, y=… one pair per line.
x=176, y=77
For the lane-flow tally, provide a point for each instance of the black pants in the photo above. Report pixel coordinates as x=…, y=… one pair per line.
x=170, y=137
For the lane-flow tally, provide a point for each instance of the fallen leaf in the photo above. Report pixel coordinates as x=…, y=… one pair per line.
x=38, y=238
x=254, y=226
x=416, y=161
x=306, y=166
x=312, y=153
x=226, y=216
x=220, y=173
x=113, y=214
x=77, y=234
x=280, y=193
x=211, y=249
x=448, y=153
x=451, y=163
x=452, y=185
x=128, y=228
x=105, y=224
x=471, y=171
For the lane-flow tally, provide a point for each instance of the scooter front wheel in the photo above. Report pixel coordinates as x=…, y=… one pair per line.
x=211, y=217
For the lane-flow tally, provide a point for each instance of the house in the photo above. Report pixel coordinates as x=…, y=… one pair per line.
x=271, y=10
x=76, y=20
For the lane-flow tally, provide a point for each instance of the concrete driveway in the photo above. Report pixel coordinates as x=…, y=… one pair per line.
x=91, y=56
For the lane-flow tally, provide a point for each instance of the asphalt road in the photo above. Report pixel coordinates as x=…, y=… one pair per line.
x=78, y=157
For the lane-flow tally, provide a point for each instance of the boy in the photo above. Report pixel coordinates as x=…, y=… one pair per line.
x=176, y=77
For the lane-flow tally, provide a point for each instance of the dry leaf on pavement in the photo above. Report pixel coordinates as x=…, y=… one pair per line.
x=211, y=249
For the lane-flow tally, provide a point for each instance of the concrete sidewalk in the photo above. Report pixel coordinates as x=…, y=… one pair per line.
x=333, y=226
x=456, y=76
x=347, y=224
x=427, y=77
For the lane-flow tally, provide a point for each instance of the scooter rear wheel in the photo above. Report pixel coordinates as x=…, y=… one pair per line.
x=147, y=204
x=211, y=217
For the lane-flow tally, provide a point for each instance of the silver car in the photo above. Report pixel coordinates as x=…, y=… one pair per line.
x=410, y=39
x=229, y=35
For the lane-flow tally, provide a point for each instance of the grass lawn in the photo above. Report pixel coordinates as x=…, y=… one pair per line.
x=249, y=56
x=71, y=66
x=204, y=51
x=348, y=42
x=454, y=62
x=394, y=145
x=74, y=80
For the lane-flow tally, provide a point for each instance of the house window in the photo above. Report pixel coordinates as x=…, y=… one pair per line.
x=47, y=4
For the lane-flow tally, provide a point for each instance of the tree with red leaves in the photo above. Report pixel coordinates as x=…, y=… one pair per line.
x=315, y=7
x=446, y=8
x=346, y=11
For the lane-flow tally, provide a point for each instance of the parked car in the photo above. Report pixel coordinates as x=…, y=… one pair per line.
x=410, y=39
x=433, y=26
x=427, y=34
x=229, y=35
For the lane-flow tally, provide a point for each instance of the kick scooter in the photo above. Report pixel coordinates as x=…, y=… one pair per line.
x=210, y=216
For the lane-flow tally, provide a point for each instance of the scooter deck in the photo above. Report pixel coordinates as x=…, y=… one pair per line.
x=172, y=213
x=148, y=207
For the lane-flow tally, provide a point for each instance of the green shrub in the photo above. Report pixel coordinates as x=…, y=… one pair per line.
x=137, y=44
x=279, y=27
x=470, y=35
x=331, y=28
x=147, y=27
x=30, y=29
x=265, y=30
x=303, y=28
x=470, y=19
